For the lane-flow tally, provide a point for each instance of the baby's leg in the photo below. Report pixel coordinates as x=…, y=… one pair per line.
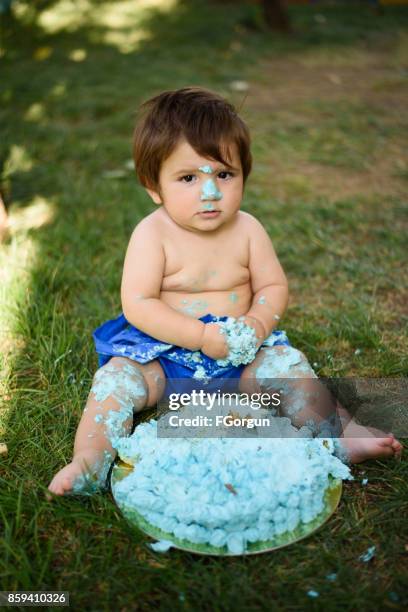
x=306, y=401
x=303, y=397
x=119, y=388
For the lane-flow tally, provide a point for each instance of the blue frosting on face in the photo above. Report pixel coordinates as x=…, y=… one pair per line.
x=208, y=206
x=210, y=191
x=206, y=169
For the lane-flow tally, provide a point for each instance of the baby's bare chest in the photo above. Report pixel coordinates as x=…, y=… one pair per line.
x=198, y=264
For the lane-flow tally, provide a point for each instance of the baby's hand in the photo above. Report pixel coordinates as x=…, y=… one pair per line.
x=214, y=344
x=257, y=327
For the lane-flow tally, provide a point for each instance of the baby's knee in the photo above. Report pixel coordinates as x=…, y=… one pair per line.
x=284, y=362
x=155, y=380
x=121, y=380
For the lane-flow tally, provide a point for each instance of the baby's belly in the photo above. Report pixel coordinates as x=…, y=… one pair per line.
x=232, y=303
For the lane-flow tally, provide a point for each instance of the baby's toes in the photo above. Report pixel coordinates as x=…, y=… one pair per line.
x=66, y=485
x=54, y=487
x=59, y=487
x=51, y=489
x=385, y=447
x=61, y=483
x=397, y=448
x=388, y=441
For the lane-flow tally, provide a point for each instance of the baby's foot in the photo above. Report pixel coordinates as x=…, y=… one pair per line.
x=85, y=474
x=362, y=443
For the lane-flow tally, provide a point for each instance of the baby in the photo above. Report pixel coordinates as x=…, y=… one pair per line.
x=192, y=263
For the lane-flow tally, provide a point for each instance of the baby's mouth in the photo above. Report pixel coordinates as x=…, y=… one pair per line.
x=209, y=214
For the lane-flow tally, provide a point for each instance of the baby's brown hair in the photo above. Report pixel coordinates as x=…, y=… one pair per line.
x=208, y=122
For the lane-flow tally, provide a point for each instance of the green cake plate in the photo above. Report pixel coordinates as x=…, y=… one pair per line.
x=332, y=497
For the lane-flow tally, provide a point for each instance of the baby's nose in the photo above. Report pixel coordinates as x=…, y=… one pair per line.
x=210, y=191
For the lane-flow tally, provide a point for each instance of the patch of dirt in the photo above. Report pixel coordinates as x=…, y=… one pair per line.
x=342, y=183
x=289, y=85
x=395, y=303
x=291, y=82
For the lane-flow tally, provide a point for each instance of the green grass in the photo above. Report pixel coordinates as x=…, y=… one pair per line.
x=326, y=110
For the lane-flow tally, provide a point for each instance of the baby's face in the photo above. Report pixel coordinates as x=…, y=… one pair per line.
x=199, y=194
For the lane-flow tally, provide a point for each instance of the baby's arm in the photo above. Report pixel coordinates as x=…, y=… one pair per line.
x=268, y=281
x=141, y=283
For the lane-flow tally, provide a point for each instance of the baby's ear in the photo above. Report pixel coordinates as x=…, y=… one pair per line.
x=155, y=196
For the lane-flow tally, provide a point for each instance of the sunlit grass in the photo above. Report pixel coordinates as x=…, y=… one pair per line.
x=120, y=21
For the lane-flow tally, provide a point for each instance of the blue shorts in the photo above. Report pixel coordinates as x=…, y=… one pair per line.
x=119, y=338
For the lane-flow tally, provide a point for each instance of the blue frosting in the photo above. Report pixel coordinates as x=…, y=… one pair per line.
x=226, y=491
x=368, y=555
x=210, y=191
x=206, y=169
x=241, y=341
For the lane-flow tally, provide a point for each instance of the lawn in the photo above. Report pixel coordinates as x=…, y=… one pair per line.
x=327, y=111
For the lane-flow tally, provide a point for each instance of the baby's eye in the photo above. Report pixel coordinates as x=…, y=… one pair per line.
x=225, y=174
x=188, y=178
